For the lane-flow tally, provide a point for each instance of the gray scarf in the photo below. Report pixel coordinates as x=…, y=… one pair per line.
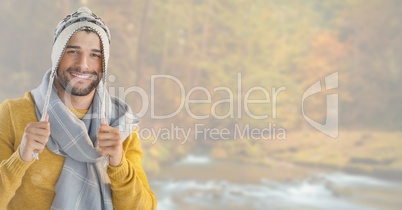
x=83, y=182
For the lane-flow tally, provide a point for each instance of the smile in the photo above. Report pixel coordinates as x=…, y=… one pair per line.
x=81, y=76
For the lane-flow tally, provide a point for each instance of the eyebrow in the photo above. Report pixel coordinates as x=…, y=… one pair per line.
x=78, y=47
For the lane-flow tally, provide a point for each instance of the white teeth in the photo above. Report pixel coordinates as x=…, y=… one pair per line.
x=80, y=76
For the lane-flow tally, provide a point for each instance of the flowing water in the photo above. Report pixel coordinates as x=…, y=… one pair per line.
x=323, y=191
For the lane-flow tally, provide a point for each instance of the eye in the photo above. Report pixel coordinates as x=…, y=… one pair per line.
x=72, y=51
x=96, y=55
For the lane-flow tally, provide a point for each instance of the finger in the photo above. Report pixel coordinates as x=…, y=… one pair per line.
x=45, y=125
x=31, y=127
x=37, y=133
x=109, y=143
x=41, y=125
x=37, y=146
x=108, y=150
x=104, y=128
x=108, y=136
x=41, y=140
x=40, y=132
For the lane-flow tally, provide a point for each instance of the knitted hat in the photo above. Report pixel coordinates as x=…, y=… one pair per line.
x=82, y=19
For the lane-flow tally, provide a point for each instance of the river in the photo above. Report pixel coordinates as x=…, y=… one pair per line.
x=197, y=182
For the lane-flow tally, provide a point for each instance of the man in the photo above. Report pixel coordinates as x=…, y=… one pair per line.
x=83, y=152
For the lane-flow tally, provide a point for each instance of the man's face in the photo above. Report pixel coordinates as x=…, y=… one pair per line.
x=80, y=67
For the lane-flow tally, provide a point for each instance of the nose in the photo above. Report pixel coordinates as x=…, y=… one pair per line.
x=83, y=62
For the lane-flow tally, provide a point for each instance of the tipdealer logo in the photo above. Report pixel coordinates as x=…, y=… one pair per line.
x=236, y=101
x=331, y=125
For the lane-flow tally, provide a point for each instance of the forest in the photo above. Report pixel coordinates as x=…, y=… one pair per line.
x=207, y=43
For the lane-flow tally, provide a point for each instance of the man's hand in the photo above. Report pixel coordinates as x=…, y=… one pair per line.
x=34, y=139
x=110, y=143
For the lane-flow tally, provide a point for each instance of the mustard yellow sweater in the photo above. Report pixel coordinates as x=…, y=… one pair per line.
x=30, y=185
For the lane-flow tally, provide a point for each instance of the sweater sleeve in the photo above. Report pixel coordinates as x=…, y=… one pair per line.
x=130, y=188
x=12, y=167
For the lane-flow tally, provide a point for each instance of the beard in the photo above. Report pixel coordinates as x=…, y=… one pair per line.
x=69, y=84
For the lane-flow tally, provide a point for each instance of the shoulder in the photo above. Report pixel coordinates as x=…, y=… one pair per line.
x=18, y=105
x=24, y=101
x=17, y=102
